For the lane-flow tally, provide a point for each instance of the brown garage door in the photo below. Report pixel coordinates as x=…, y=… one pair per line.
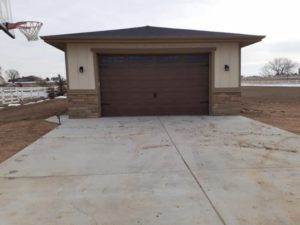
x=154, y=84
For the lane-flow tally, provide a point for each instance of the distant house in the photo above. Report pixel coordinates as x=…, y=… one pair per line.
x=55, y=79
x=29, y=79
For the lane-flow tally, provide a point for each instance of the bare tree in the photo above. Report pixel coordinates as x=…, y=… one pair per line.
x=60, y=83
x=279, y=67
x=12, y=75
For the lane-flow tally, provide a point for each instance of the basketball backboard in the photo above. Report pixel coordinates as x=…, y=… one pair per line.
x=6, y=17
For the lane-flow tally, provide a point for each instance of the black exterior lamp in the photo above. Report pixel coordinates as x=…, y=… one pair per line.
x=226, y=68
x=81, y=69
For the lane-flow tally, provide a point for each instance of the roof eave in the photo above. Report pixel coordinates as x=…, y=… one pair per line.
x=246, y=43
x=60, y=42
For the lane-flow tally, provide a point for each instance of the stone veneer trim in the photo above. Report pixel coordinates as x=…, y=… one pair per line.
x=83, y=104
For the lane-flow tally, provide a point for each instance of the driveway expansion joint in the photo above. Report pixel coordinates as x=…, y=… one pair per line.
x=192, y=173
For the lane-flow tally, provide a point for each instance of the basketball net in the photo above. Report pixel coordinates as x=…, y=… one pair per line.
x=30, y=29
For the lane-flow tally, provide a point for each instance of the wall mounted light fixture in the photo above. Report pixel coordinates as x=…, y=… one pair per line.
x=81, y=69
x=226, y=68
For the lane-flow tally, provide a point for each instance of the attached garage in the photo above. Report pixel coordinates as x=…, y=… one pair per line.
x=153, y=71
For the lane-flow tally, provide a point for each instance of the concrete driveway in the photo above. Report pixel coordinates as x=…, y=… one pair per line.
x=155, y=171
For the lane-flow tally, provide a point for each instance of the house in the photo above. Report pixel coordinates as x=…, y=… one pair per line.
x=29, y=79
x=153, y=71
x=55, y=79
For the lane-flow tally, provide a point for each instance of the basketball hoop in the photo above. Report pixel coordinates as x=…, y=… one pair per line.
x=30, y=29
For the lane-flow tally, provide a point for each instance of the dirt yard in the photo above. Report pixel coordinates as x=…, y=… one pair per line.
x=280, y=111
x=20, y=126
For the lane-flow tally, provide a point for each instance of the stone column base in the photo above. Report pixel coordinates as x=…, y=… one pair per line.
x=226, y=103
x=83, y=104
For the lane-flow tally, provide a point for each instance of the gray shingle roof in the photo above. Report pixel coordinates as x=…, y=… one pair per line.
x=151, y=32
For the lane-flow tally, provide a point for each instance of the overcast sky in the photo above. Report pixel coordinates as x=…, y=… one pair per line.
x=277, y=19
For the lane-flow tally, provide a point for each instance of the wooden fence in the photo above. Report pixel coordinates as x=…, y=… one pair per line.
x=13, y=95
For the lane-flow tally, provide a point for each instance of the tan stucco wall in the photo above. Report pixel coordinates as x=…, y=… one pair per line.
x=82, y=55
x=227, y=54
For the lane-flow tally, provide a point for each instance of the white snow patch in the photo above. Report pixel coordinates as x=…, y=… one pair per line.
x=61, y=97
x=13, y=105
x=30, y=103
x=270, y=85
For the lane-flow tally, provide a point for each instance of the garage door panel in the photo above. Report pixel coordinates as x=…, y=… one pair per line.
x=164, y=77
x=133, y=98
x=159, y=95
x=157, y=85
x=193, y=91
x=163, y=82
x=132, y=110
x=142, y=76
x=154, y=59
x=179, y=70
x=118, y=79
x=151, y=65
x=141, y=71
x=181, y=95
x=149, y=100
x=136, y=109
x=154, y=85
